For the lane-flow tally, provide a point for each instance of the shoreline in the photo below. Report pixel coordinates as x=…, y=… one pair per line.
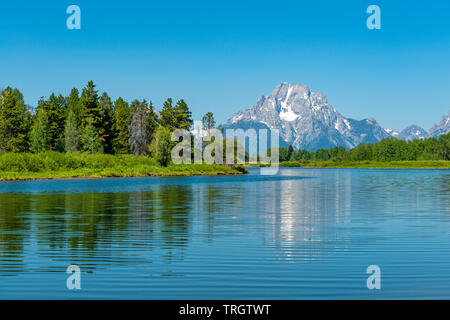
x=81, y=177
x=57, y=166
x=425, y=164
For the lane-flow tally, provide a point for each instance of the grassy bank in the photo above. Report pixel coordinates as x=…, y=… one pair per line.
x=428, y=164
x=53, y=165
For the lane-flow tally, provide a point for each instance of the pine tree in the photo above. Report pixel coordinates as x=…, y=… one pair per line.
x=40, y=132
x=122, y=126
x=73, y=105
x=55, y=110
x=89, y=106
x=15, y=122
x=167, y=115
x=183, y=115
x=72, y=133
x=91, y=139
x=107, y=128
x=208, y=121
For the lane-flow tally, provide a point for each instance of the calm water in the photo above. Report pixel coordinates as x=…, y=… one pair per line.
x=305, y=233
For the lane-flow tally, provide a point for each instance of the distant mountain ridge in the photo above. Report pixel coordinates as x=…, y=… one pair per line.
x=307, y=121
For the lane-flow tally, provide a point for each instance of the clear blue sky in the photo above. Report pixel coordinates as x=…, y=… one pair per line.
x=221, y=56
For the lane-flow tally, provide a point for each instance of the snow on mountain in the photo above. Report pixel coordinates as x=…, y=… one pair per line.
x=440, y=128
x=413, y=132
x=306, y=120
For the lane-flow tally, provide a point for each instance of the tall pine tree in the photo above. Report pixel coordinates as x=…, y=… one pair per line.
x=72, y=133
x=167, y=115
x=89, y=106
x=183, y=115
x=106, y=127
x=40, y=132
x=15, y=122
x=122, y=126
x=55, y=109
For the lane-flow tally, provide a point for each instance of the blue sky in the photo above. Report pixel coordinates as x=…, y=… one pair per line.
x=220, y=56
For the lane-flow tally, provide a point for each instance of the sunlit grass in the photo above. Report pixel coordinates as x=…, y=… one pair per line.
x=54, y=165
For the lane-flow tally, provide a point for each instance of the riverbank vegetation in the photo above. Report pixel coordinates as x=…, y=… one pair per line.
x=88, y=134
x=388, y=153
x=54, y=165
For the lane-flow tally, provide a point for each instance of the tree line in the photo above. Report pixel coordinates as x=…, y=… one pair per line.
x=90, y=122
x=390, y=149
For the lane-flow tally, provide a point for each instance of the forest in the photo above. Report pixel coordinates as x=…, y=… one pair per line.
x=88, y=122
x=390, y=149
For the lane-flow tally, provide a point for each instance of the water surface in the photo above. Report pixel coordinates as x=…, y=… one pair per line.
x=305, y=233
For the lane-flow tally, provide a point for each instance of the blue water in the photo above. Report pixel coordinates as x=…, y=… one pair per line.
x=303, y=234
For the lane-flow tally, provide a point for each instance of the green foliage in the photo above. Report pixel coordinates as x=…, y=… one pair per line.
x=91, y=139
x=183, y=115
x=208, y=121
x=40, y=132
x=89, y=106
x=106, y=129
x=72, y=133
x=55, y=110
x=15, y=122
x=167, y=115
x=386, y=150
x=162, y=145
x=175, y=117
x=74, y=105
x=122, y=126
x=50, y=164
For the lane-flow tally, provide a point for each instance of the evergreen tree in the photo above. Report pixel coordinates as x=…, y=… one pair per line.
x=290, y=152
x=89, y=106
x=168, y=115
x=122, y=126
x=55, y=110
x=73, y=105
x=15, y=122
x=71, y=133
x=91, y=139
x=208, y=121
x=107, y=129
x=40, y=132
x=183, y=115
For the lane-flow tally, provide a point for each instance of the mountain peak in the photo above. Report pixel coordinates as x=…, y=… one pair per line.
x=306, y=120
x=413, y=132
x=442, y=127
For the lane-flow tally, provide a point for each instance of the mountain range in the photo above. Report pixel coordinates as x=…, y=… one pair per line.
x=307, y=121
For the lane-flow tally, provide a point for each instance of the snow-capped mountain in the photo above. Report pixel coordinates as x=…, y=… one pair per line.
x=413, y=132
x=443, y=127
x=394, y=133
x=306, y=120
